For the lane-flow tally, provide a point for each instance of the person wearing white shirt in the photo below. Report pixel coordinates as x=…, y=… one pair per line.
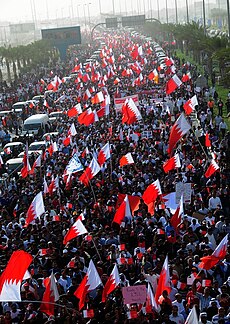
x=214, y=201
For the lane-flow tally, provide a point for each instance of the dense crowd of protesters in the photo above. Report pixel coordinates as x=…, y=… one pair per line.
x=147, y=238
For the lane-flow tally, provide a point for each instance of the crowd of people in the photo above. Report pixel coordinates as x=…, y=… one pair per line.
x=148, y=237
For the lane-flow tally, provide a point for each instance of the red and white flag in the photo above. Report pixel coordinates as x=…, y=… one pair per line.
x=42, y=252
x=54, y=185
x=50, y=296
x=37, y=163
x=90, y=282
x=126, y=159
x=87, y=117
x=177, y=216
x=36, y=209
x=213, y=167
x=11, y=278
x=207, y=140
x=164, y=281
x=132, y=314
x=52, y=148
x=190, y=105
x=179, y=129
x=150, y=195
x=75, y=230
x=220, y=252
x=192, y=317
x=153, y=76
x=99, y=97
x=111, y=284
x=88, y=313
x=26, y=165
x=72, y=130
x=186, y=77
x=173, y=84
x=172, y=164
x=123, y=211
x=150, y=301
x=90, y=172
x=130, y=112
x=45, y=186
x=104, y=154
x=76, y=110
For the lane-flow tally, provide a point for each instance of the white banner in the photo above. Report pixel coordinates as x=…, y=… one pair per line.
x=74, y=165
x=118, y=102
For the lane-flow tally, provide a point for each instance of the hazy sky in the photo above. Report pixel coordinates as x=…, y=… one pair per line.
x=21, y=10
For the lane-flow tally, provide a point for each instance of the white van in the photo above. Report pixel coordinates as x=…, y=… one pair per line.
x=19, y=105
x=14, y=165
x=34, y=123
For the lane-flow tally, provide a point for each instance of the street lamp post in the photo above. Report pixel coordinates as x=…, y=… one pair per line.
x=113, y=8
x=228, y=14
x=89, y=14
x=78, y=17
x=204, y=17
x=84, y=13
x=176, y=11
x=167, y=14
x=158, y=10
x=187, y=12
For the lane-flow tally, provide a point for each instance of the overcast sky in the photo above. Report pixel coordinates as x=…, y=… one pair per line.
x=21, y=10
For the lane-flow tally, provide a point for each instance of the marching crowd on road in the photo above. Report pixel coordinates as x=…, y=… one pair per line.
x=124, y=216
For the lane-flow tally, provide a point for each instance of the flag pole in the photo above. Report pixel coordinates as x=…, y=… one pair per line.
x=200, y=145
x=96, y=249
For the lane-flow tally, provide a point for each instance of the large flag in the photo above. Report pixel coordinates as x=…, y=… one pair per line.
x=90, y=172
x=123, y=211
x=130, y=112
x=179, y=129
x=36, y=209
x=173, y=84
x=104, y=154
x=74, y=165
x=111, y=284
x=150, y=195
x=213, y=167
x=190, y=105
x=210, y=261
x=11, y=278
x=177, y=216
x=90, y=282
x=192, y=317
x=134, y=201
x=99, y=97
x=172, y=164
x=50, y=296
x=77, y=229
x=87, y=117
x=76, y=110
x=126, y=159
x=164, y=281
x=170, y=201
